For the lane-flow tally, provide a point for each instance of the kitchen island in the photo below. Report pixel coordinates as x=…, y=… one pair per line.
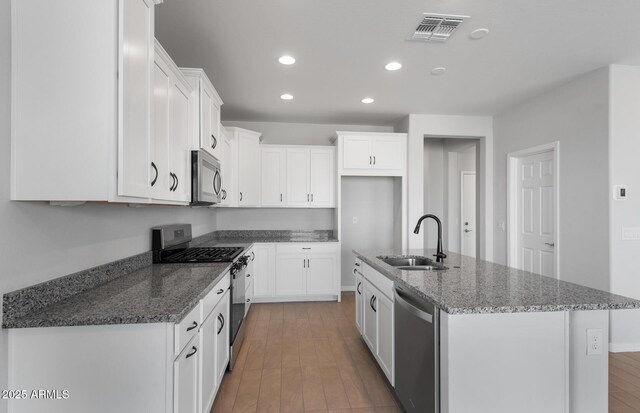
x=509, y=340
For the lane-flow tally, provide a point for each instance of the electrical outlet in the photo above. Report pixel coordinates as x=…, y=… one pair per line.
x=594, y=341
x=631, y=233
x=355, y=220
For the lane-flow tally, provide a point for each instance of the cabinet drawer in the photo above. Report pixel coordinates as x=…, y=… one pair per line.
x=305, y=248
x=378, y=280
x=214, y=296
x=186, y=329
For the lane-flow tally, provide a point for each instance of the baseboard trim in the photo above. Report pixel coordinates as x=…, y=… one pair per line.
x=295, y=298
x=623, y=347
x=348, y=288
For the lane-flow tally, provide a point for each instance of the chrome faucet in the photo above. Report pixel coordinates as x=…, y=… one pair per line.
x=440, y=255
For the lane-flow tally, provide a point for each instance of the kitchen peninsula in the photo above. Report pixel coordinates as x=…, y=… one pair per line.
x=505, y=335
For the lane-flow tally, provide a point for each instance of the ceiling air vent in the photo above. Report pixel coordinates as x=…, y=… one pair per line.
x=437, y=27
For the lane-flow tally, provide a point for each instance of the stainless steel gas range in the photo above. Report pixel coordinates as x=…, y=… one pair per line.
x=171, y=245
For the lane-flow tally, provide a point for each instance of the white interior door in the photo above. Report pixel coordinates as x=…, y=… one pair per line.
x=468, y=208
x=536, y=213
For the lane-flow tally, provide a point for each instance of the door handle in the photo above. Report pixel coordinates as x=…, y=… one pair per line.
x=194, y=325
x=307, y=197
x=401, y=299
x=311, y=197
x=215, y=142
x=372, y=302
x=221, y=319
x=370, y=160
x=374, y=159
x=468, y=230
x=551, y=244
x=240, y=196
x=358, y=288
x=173, y=183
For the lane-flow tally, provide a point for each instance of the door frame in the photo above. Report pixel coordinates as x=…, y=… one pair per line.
x=461, y=226
x=512, y=201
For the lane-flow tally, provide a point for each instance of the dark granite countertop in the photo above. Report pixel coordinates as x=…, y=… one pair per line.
x=133, y=290
x=475, y=286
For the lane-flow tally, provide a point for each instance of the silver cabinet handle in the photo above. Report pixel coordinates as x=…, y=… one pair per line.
x=240, y=196
x=195, y=350
x=307, y=197
x=370, y=160
x=280, y=197
x=468, y=230
x=551, y=244
x=311, y=197
x=374, y=159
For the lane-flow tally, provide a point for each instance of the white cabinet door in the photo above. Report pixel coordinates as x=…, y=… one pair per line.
x=291, y=274
x=248, y=169
x=264, y=283
x=179, y=149
x=370, y=319
x=185, y=383
x=229, y=167
x=321, y=274
x=387, y=153
x=160, y=142
x=134, y=167
x=215, y=138
x=298, y=177
x=357, y=153
x=322, y=177
x=206, y=120
x=273, y=177
x=385, y=350
x=221, y=312
x=208, y=356
x=359, y=301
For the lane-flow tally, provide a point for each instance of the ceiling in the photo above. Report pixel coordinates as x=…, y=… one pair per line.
x=341, y=47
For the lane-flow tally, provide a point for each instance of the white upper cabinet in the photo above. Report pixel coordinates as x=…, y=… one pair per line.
x=171, y=128
x=273, y=180
x=298, y=177
x=373, y=154
x=322, y=177
x=229, y=169
x=207, y=114
x=248, y=166
x=102, y=71
x=310, y=177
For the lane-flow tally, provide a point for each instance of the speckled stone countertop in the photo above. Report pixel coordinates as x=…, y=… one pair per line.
x=474, y=286
x=133, y=290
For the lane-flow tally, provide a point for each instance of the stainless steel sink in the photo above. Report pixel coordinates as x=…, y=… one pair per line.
x=413, y=263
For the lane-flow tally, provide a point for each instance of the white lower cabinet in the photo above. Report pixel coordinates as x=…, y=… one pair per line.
x=185, y=373
x=291, y=274
x=264, y=269
x=374, y=316
x=214, y=350
x=321, y=273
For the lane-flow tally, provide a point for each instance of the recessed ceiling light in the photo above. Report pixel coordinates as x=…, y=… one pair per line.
x=438, y=70
x=286, y=96
x=391, y=66
x=479, y=33
x=367, y=100
x=286, y=60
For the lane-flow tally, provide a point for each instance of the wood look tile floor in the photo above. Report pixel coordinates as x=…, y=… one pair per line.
x=624, y=382
x=304, y=357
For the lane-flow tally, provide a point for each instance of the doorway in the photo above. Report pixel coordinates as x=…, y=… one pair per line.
x=450, y=165
x=533, y=209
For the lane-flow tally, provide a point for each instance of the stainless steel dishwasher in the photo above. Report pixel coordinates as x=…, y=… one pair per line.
x=417, y=353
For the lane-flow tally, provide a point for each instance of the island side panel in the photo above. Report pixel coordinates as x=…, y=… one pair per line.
x=106, y=369
x=501, y=363
x=589, y=373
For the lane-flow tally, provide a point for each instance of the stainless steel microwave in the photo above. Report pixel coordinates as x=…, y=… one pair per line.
x=206, y=181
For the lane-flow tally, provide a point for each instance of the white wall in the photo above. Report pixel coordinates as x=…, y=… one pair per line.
x=41, y=242
x=371, y=200
x=421, y=126
x=575, y=114
x=624, y=149
x=274, y=218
